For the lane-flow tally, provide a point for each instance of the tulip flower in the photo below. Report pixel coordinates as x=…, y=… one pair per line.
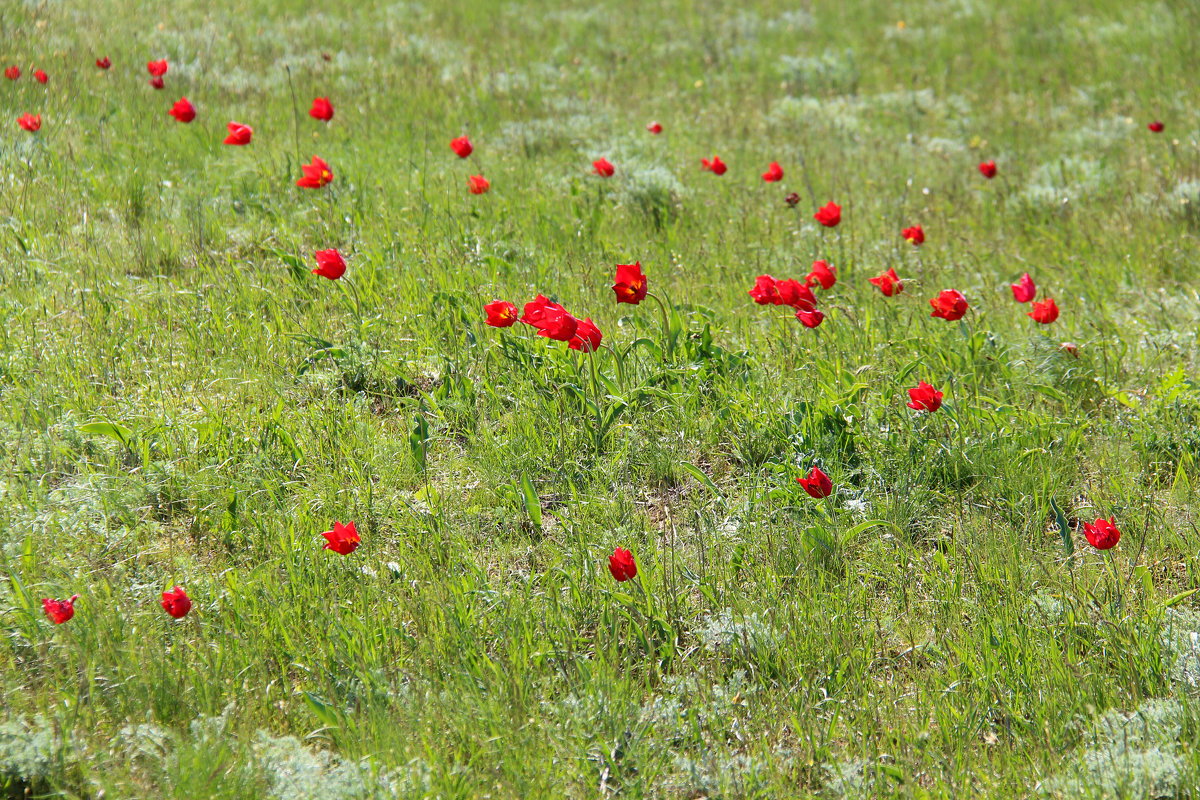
x=795, y=294
x=42, y=77
x=622, y=565
x=176, y=602
x=550, y=319
x=829, y=215
x=1156, y=126
x=587, y=337
x=103, y=63
x=1024, y=290
x=914, y=235
x=13, y=72
x=183, y=110
x=774, y=173
x=889, y=283
x=716, y=166
x=810, y=319
x=316, y=174
x=330, y=264
x=988, y=169
x=949, y=304
x=629, y=285
x=765, y=291
x=321, y=109
x=924, y=398
x=1103, y=534
x=654, y=127
x=817, y=484
x=157, y=68
x=603, y=167
x=1044, y=311
x=343, y=539
x=239, y=134
x=59, y=611
x=822, y=274
x=501, y=314
x=30, y=122
x=462, y=146
x=477, y=184
x=157, y=83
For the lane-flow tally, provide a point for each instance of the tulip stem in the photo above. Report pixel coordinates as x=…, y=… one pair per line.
x=667, y=345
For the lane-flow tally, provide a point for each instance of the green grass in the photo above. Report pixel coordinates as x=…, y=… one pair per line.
x=184, y=403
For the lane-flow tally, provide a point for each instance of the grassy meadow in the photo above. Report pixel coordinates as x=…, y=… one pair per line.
x=185, y=403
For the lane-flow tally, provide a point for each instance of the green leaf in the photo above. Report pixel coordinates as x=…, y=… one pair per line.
x=324, y=711
x=533, y=504
x=1064, y=530
x=1179, y=598
x=418, y=441
x=695, y=472
x=110, y=429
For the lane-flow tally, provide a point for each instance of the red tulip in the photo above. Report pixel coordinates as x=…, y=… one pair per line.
x=924, y=398
x=501, y=314
x=716, y=166
x=988, y=169
x=949, y=304
x=603, y=167
x=1102, y=535
x=12, y=73
x=462, y=146
x=41, y=76
x=157, y=83
x=792, y=200
x=1024, y=290
x=829, y=215
x=176, y=602
x=103, y=63
x=629, y=285
x=1044, y=311
x=774, y=173
x=810, y=319
x=551, y=319
x=477, y=184
x=239, y=134
x=343, y=539
x=183, y=110
x=30, y=122
x=765, y=291
x=622, y=565
x=889, y=283
x=823, y=274
x=795, y=294
x=587, y=337
x=330, y=264
x=59, y=611
x=817, y=484
x=316, y=174
x=321, y=109
x=157, y=68
x=914, y=235
x=654, y=127
x=1156, y=126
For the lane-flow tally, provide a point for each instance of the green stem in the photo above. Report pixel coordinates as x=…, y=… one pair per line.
x=667, y=345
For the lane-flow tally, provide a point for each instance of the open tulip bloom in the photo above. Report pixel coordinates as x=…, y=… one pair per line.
x=59, y=611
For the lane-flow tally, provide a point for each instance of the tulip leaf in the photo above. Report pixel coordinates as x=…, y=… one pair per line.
x=1179, y=598
x=533, y=504
x=418, y=440
x=1064, y=530
x=696, y=473
x=110, y=429
x=324, y=711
